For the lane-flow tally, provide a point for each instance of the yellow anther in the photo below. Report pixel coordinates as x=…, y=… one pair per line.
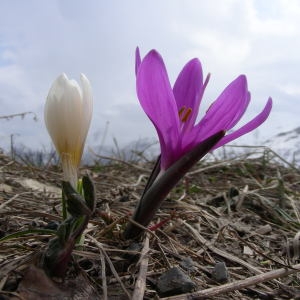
x=186, y=115
x=182, y=109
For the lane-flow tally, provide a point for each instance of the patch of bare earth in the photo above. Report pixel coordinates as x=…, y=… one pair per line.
x=236, y=214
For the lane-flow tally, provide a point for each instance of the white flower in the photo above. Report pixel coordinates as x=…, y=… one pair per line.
x=68, y=113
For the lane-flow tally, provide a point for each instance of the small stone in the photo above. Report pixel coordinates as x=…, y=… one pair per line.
x=35, y=185
x=174, y=282
x=220, y=273
x=264, y=229
x=187, y=264
x=5, y=188
x=124, y=198
x=53, y=225
x=133, y=247
x=247, y=251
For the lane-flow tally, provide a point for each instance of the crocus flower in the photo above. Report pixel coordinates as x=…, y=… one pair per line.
x=183, y=141
x=68, y=113
x=174, y=111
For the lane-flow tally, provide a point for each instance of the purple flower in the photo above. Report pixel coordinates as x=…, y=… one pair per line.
x=174, y=111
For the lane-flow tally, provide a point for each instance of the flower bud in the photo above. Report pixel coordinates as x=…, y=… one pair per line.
x=68, y=113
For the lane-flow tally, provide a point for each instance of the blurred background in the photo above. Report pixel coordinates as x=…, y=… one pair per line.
x=41, y=39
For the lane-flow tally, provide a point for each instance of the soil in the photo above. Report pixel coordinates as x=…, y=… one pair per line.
x=242, y=215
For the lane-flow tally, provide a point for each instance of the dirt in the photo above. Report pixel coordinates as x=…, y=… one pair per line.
x=243, y=212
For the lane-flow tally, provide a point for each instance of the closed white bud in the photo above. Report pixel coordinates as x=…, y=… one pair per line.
x=68, y=113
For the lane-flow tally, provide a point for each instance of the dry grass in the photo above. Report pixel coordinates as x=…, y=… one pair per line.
x=241, y=212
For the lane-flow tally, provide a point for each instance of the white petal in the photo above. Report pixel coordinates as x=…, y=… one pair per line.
x=68, y=112
x=87, y=97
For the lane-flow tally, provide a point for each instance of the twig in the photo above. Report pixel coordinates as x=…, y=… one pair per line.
x=140, y=285
x=103, y=276
x=234, y=160
x=293, y=204
x=15, y=294
x=22, y=115
x=223, y=163
x=146, y=229
x=141, y=177
x=118, y=160
x=164, y=257
x=233, y=232
x=12, y=199
x=6, y=165
x=270, y=150
x=222, y=253
x=237, y=285
x=99, y=245
x=3, y=281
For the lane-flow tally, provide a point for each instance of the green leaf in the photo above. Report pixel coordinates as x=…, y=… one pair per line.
x=25, y=232
x=89, y=192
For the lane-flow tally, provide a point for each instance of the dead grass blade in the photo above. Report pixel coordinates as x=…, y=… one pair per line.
x=140, y=284
x=237, y=285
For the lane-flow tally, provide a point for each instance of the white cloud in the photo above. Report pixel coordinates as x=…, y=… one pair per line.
x=291, y=90
x=39, y=40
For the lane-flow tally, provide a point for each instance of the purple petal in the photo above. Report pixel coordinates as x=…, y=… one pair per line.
x=242, y=110
x=137, y=60
x=254, y=123
x=156, y=97
x=226, y=111
x=188, y=86
x=168, y=155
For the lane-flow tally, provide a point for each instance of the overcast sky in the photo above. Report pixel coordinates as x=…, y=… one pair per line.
x=41, y=39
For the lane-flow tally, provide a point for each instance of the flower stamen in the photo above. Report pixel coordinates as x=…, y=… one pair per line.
x=184, y=113
x=181, y=110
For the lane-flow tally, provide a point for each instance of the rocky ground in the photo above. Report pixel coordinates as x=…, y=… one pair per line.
x=229, y=230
